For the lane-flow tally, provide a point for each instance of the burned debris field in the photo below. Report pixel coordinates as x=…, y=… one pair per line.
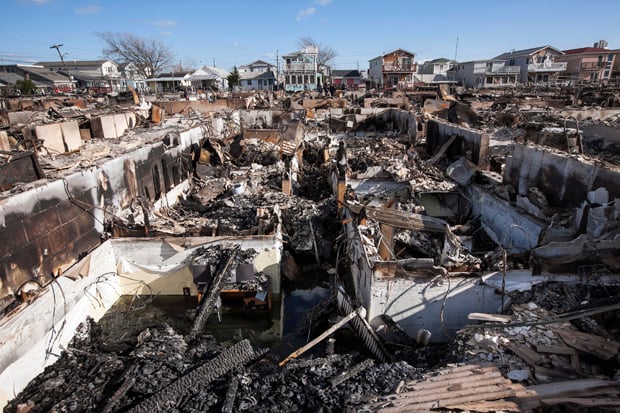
x=425, y=249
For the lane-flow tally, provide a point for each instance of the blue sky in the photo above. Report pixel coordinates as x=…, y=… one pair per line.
x=239, y=32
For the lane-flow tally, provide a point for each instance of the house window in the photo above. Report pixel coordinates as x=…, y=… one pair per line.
x=606, y=75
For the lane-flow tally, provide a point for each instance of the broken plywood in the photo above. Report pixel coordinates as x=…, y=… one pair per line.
x=452, y=387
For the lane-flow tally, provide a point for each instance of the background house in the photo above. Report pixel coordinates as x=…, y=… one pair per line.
x=590, y=64
x=258, y=66
x=537, y=64
x=101, y=76
x=130, y=76
x=393, y=69
x=351, y=78
x=485, y=73
x=170, y=82
x=434, y=71
x=257, y=81
x=300, y=70
x=45, y=80
x=258, y=75
x=209, y=78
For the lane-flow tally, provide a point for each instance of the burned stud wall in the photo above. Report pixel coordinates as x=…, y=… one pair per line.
x=439, y=132
x=47, y=228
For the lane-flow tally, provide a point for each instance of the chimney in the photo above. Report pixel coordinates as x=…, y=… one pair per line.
x=601, y=44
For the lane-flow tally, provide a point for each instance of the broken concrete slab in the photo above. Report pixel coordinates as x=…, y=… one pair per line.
x=103, y=127
x=21, y=117
x=71, y=135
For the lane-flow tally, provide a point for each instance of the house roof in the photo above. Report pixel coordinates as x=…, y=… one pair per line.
x=524, y=52
x=256, y=75
x=74, y=63
x=209, y=73
x=258, y=63
x=8, y=78
x=439, y=60
x=588, y=50
x=45, y=73
x=394, y=52
x=346, y=73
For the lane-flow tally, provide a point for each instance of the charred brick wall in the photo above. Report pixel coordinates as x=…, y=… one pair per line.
x=48, y=227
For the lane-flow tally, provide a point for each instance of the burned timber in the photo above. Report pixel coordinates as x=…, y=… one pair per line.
x=466, y=244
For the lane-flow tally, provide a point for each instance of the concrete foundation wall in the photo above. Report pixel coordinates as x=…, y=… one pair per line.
x=474, y=144
x=508, y=227
x=415, y=303
x=564, y=180
x=44, y=229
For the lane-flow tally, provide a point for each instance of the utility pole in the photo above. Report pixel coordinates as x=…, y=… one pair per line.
x=456, y=49
x=278, y=67
x=64, y=65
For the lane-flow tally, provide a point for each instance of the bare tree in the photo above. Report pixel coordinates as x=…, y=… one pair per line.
x=326, y=53
x=149, y=55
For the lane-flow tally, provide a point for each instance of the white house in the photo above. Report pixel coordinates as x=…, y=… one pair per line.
x=537, y=64
x=300, y=69
x=209, y=78
x=95, y=75
x=485, y=73
x=434, y=71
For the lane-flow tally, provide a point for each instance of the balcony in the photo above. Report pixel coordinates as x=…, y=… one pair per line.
x=505, y=70
x=592, y=65
x=399, y=67
x=546, y=67
x=299, y=67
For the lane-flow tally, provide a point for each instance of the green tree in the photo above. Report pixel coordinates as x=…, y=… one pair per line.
x=233, y=78
x=25, y=86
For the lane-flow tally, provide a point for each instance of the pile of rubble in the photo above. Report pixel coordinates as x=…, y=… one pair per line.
x=89, y=377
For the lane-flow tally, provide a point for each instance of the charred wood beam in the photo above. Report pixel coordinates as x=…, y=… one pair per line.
x=402, y=219
x=167, y=398
x=208, y=302
x=351, y=372
x=231, y=394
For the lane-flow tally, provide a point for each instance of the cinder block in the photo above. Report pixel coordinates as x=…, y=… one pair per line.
x=103, y=127
x=52, y=137
x=120, y=123
x=71, y=135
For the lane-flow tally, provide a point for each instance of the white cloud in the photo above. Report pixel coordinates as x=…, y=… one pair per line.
x=323, y=2
x=235, y=44
x=89, y=10
x=305, y=13
x=166, y=23
x=166, y=33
